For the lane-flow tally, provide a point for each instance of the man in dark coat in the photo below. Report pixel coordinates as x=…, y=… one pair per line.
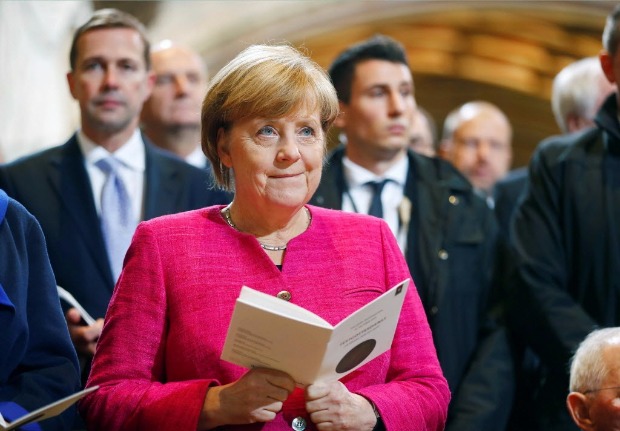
x=567, y=244
x=578, y=92
x=446, y=231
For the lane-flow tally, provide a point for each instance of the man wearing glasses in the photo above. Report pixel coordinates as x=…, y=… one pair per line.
x=594, y=399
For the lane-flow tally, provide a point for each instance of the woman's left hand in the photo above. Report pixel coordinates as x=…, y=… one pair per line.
x=332, y=408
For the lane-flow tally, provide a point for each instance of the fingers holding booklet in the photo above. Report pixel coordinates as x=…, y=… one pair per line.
x=258, y=395
x=266, y=331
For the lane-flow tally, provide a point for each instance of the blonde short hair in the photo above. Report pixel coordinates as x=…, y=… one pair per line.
x=267, y=81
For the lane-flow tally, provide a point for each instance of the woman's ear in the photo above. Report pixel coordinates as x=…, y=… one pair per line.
x=223, y=148
x=579, y=409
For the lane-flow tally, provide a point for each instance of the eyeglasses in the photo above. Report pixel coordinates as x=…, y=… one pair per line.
x=598, y=390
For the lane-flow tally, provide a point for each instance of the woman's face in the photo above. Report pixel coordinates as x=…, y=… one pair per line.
x=276, y=161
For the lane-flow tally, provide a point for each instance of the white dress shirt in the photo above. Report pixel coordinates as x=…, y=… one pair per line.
x=197, y=158
x=133, y=164
x=359, y=194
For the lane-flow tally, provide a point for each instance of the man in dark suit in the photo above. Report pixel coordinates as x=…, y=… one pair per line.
x=446, y=231
x=477, y=140
x=578, y=92
x=63, y=187
x=566, y=243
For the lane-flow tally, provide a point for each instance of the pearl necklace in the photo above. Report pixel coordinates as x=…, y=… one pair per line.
x=228, y=219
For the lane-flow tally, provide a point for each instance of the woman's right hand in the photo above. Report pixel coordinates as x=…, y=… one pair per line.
x=256, y=397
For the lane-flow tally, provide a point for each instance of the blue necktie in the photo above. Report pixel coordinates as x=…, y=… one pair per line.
x=117, y=222
x=376, y=208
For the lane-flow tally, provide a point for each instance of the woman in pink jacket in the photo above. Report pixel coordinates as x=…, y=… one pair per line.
x=264, y=121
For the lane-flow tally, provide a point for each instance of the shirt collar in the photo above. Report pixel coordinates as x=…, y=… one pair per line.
x=197, y=158
x=357, y=176
x=131, y=153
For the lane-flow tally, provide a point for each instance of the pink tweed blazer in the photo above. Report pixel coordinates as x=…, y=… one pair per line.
x=164, y=331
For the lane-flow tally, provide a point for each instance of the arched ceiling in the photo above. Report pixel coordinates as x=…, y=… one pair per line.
x=506, y=52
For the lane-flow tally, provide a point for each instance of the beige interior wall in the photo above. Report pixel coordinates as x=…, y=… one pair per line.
x=506, y=52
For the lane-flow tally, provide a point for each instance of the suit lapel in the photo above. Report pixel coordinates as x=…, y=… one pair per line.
x=163, y=187
x=424, y=234
x=329, y=193
x=69, y=178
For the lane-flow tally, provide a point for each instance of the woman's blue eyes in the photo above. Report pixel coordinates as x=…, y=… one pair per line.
x=270, y=131
x=267, y=130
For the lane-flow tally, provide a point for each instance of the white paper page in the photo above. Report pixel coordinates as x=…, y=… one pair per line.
x=257, y=338
x=363, y=335
x=48, y=411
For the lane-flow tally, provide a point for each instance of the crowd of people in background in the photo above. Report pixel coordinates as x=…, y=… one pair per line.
x=177, y=190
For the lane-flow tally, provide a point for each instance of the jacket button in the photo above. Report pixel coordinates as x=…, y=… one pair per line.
x=442, y=254
x=434, y=310
x=298, y=424
x=453, y=200
x=285, y=295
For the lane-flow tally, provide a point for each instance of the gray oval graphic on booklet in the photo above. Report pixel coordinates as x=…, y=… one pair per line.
x=356, y=356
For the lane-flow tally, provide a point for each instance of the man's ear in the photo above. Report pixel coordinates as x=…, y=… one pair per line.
x=444, y=149
x=579, y=409
x=150, y=84
x=223, y=150
x=340, y=120
x=575, y=122
x=607, y=64
x=71, y=82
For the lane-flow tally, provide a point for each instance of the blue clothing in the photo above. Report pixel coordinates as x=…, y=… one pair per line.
x=38, y=364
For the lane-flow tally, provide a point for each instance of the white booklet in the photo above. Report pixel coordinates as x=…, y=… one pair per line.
x=269, y=332
x=45, y=412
